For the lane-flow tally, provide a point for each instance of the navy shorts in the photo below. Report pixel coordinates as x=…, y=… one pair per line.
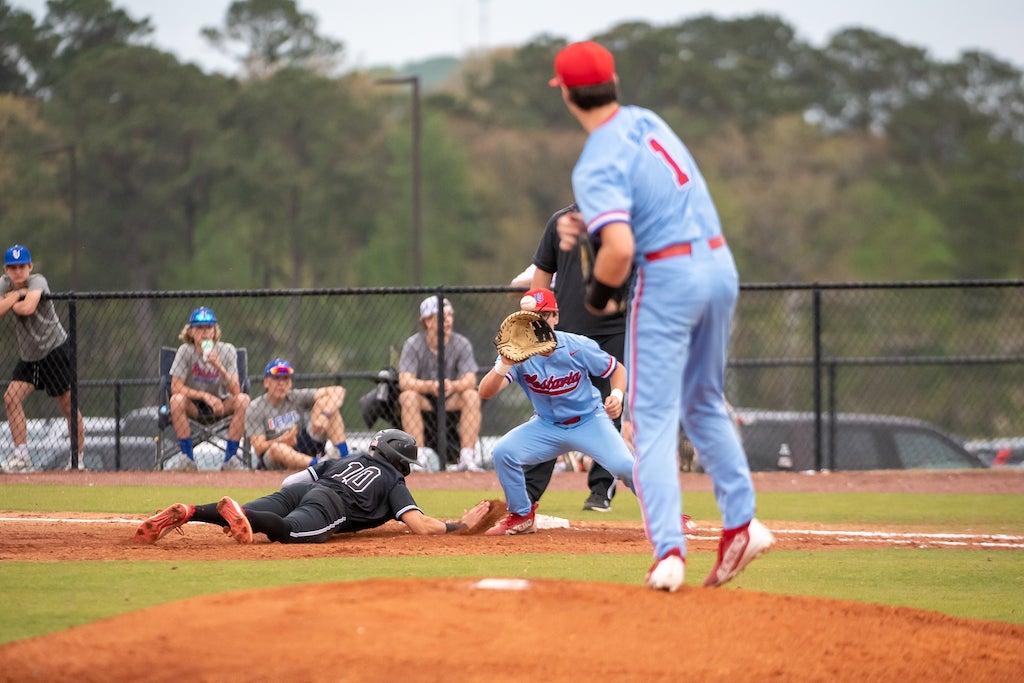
x=304, y=443
x=52, y=373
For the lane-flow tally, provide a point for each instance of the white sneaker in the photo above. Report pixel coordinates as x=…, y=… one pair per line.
x=233, y=464
x=18, y=464
x=427, y=460
x=180, y=463
x=331, y=452
x=667, y=574
x=81, y=464
x=467, y=461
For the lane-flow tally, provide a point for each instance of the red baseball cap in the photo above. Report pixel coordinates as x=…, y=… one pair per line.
x=585, y=63
x=539, y=300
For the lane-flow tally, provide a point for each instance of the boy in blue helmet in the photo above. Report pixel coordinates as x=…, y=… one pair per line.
x=204, y=382
x=43, y=350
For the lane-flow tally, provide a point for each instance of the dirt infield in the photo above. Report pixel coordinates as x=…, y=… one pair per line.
x=459, y=630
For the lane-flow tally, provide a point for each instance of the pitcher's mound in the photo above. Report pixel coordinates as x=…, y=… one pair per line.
x=507, y=629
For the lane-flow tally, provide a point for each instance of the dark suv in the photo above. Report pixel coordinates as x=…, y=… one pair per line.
x=785, y=441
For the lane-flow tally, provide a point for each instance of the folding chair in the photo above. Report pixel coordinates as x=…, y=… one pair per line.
x=212, y=430
x=381, y=403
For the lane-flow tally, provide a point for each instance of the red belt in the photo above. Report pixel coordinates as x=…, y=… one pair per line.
x=570, y=421
x=682, y=249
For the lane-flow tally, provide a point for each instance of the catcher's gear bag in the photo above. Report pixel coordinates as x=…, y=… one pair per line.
x=524, y=334
x=588, y=256
x=395, y=446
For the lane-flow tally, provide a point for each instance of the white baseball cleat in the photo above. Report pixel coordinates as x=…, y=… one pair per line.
x=668, y=573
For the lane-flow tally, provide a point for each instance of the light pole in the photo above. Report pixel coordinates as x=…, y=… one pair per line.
x=417, y=249
x=72, y=200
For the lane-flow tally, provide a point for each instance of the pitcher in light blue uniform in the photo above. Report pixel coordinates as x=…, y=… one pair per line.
x=568, y=412
x=643, y=199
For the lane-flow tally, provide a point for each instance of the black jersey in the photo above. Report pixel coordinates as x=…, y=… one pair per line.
x=573, y=315
x=371, y=489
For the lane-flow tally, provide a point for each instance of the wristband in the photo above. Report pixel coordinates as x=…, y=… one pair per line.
x=599, y=294
x=501, y=367
x=454, y=526
x=617, y=393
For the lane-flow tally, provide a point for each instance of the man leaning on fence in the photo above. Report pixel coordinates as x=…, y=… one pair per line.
x=417, y=379
x=205, y=385
x=292, y=429
x=43, y=350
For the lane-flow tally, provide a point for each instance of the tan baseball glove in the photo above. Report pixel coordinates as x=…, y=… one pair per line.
x=496, y=510
x=524, y=334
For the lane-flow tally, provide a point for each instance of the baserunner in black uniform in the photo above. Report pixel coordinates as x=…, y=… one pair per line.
x=360, y=491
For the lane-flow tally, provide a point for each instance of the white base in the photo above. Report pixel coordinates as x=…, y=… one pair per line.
x=548, y=522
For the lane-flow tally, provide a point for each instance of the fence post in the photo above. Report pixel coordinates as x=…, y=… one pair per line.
x=833, y=370
x=816, y=315
x=117, y=425
x=73, y=344
x=441, y=411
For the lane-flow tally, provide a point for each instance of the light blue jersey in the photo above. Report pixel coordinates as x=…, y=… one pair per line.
x=559, y=385
x=634, y=169
x=569, y=415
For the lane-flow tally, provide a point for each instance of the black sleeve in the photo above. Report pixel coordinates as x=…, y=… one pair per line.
x=401, y=501
x=546, y=256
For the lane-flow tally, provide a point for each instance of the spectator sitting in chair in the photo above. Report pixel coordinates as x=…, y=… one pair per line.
x=289, y=428
x=205, y=385
x=417, y=379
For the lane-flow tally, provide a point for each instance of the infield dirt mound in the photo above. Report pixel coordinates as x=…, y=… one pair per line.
x=446, y=630
x=452, y=630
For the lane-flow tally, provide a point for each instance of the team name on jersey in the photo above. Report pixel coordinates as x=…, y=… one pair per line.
x=554, y=386
x=282, y=422
x=208, y=373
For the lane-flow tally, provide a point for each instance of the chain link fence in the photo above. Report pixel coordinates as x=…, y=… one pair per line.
x=947, y=353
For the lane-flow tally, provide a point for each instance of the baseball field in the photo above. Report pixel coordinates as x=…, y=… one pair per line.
x=911, y=576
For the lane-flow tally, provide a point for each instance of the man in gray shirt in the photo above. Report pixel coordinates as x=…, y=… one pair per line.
x=45, y=359
x=417, y=379
x=289, y=428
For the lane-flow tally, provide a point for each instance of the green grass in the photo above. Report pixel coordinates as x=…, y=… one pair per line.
x=991, y=513
x=979, y=584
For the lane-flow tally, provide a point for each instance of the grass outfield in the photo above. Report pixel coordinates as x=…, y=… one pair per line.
x=981, y=584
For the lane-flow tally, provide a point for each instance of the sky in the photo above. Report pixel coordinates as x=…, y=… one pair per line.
x=395, y=32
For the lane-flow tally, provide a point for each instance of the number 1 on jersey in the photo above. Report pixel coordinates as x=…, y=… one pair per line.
x=681, y=178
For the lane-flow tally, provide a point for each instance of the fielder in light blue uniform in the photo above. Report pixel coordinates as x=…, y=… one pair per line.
x=569, y=412
x=642, y=197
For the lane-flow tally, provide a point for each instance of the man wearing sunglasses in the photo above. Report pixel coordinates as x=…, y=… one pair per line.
x=289, y=428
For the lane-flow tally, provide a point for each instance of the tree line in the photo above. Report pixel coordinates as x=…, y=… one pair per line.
x=125, y=169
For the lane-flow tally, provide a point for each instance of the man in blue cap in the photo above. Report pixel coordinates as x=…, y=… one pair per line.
x=289, y=428
x=204, y=382
x=43, y=350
